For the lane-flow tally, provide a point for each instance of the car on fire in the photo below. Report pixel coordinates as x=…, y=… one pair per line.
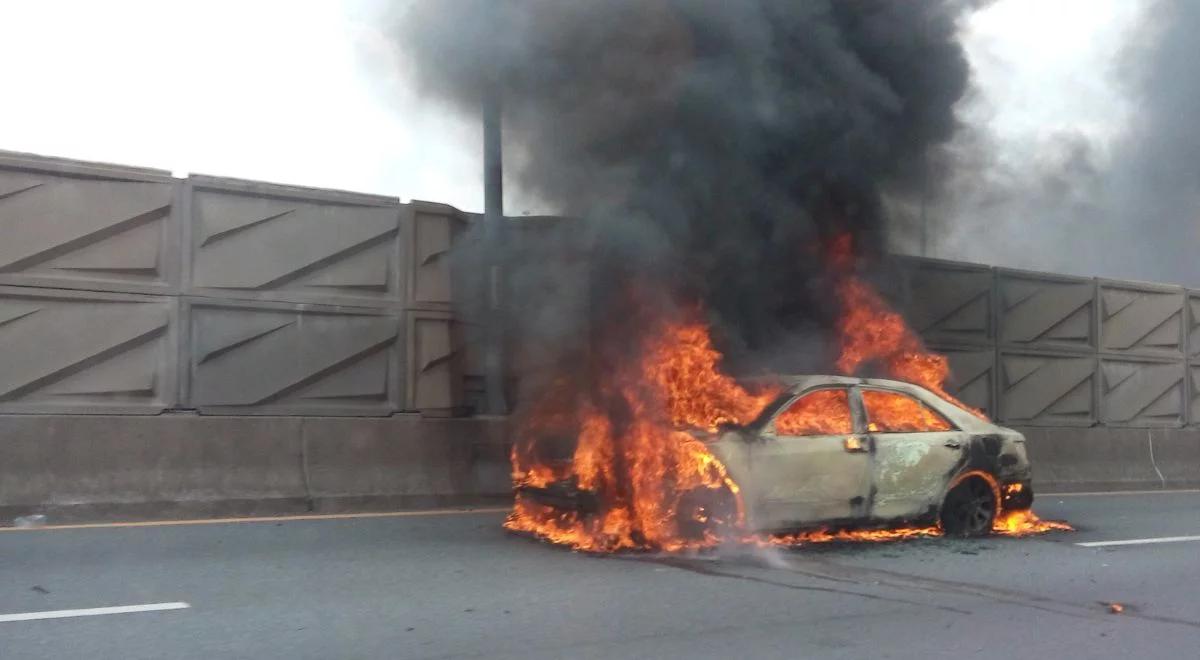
x=838, y=452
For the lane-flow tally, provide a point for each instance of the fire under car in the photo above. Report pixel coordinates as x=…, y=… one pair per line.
x=846, y=453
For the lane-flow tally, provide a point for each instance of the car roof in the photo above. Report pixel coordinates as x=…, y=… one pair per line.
x=796, y=382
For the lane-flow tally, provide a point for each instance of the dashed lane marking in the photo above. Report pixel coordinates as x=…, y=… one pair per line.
x=1161, y=539
x=93, y=611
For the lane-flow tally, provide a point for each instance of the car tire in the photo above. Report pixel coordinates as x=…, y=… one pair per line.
x=705, y=513
x=969, y=509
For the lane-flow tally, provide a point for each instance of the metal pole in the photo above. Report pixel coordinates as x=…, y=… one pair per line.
x=493, y=220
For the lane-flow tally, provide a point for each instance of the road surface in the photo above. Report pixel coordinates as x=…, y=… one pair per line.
x=457, y=586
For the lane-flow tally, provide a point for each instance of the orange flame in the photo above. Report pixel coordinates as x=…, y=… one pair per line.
x=640, y=464
x=682, y=364
x=822, y=412
x=871, y=331
x=1023, y=522
x=642, y=469
x=1008, y=523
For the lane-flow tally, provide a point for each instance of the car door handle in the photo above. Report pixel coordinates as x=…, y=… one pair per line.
x=854, y=444
x=953, y=444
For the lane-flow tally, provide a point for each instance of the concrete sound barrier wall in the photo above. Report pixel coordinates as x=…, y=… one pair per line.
x=1102, y=376
x=211, y=343
x=126, y=290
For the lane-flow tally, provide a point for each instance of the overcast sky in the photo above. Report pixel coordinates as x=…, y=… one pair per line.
x=307, y=91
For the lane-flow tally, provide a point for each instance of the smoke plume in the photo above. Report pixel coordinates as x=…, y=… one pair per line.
x=1125, y=207
x=707, y=147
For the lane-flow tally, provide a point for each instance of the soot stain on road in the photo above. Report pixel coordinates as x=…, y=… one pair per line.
x=820, y=566
x=706, y=568
x=816, y=561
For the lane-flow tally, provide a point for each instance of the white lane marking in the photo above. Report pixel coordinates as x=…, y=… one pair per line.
x=93, y=611
x=1118, y=493
x=1161, y=539
x=227, y=521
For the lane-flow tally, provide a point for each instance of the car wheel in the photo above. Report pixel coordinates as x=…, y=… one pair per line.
x=705, y=513
x=969, y=509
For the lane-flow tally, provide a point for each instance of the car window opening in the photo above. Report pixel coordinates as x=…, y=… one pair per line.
x=892, y=412
x=823, y=412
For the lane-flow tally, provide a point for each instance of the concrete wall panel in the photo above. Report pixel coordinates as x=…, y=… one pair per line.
x=85, y=352
x=435, y=364
x=431, y=231
x=278, y=358
x=1046, y=389
x=87, y=226
x=1141, y=319
x=1193, y=393
x=1141, y=392
x=948, y=302
x=267, y=242
x=972, y=376
x=1045, y=311
x=1193, y=325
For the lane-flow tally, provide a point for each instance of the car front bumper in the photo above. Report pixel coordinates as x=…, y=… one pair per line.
x=1016, y=495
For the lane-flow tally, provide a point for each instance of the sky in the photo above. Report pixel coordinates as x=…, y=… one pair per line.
x=282, y=91
x=311, y=92
x=1043, y=66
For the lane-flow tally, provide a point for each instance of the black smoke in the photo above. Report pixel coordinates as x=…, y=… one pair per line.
x=707, y=149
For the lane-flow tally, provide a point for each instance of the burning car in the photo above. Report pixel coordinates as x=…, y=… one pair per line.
x=846, y=453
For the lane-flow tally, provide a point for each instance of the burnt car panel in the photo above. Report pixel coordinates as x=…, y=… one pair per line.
x=800, y=472
x=915, y=456
x=855, y=469
x=869, y=475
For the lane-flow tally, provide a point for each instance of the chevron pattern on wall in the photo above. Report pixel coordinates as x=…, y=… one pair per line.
x=971, y=376
x=1039, y=312
x=73, y=230
x=294, y=249
x=1141, y=393
x=1141, y=320
x=1047, y=389
x=64, y=350
x=261, y=359
x=950, y=305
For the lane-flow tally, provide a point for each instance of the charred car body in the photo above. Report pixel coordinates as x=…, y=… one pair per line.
x=840, y=452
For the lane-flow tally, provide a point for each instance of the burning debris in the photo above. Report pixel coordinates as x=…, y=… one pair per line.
x=727, y=164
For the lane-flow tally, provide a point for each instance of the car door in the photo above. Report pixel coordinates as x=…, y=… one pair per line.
x=917, y=452
x=809, y=465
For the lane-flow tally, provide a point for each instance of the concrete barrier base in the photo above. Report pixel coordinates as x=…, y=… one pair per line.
x=1112, y=459
x=77, y=468
x=82, y=468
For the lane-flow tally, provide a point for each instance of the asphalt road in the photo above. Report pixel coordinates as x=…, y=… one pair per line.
x=451, y=586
